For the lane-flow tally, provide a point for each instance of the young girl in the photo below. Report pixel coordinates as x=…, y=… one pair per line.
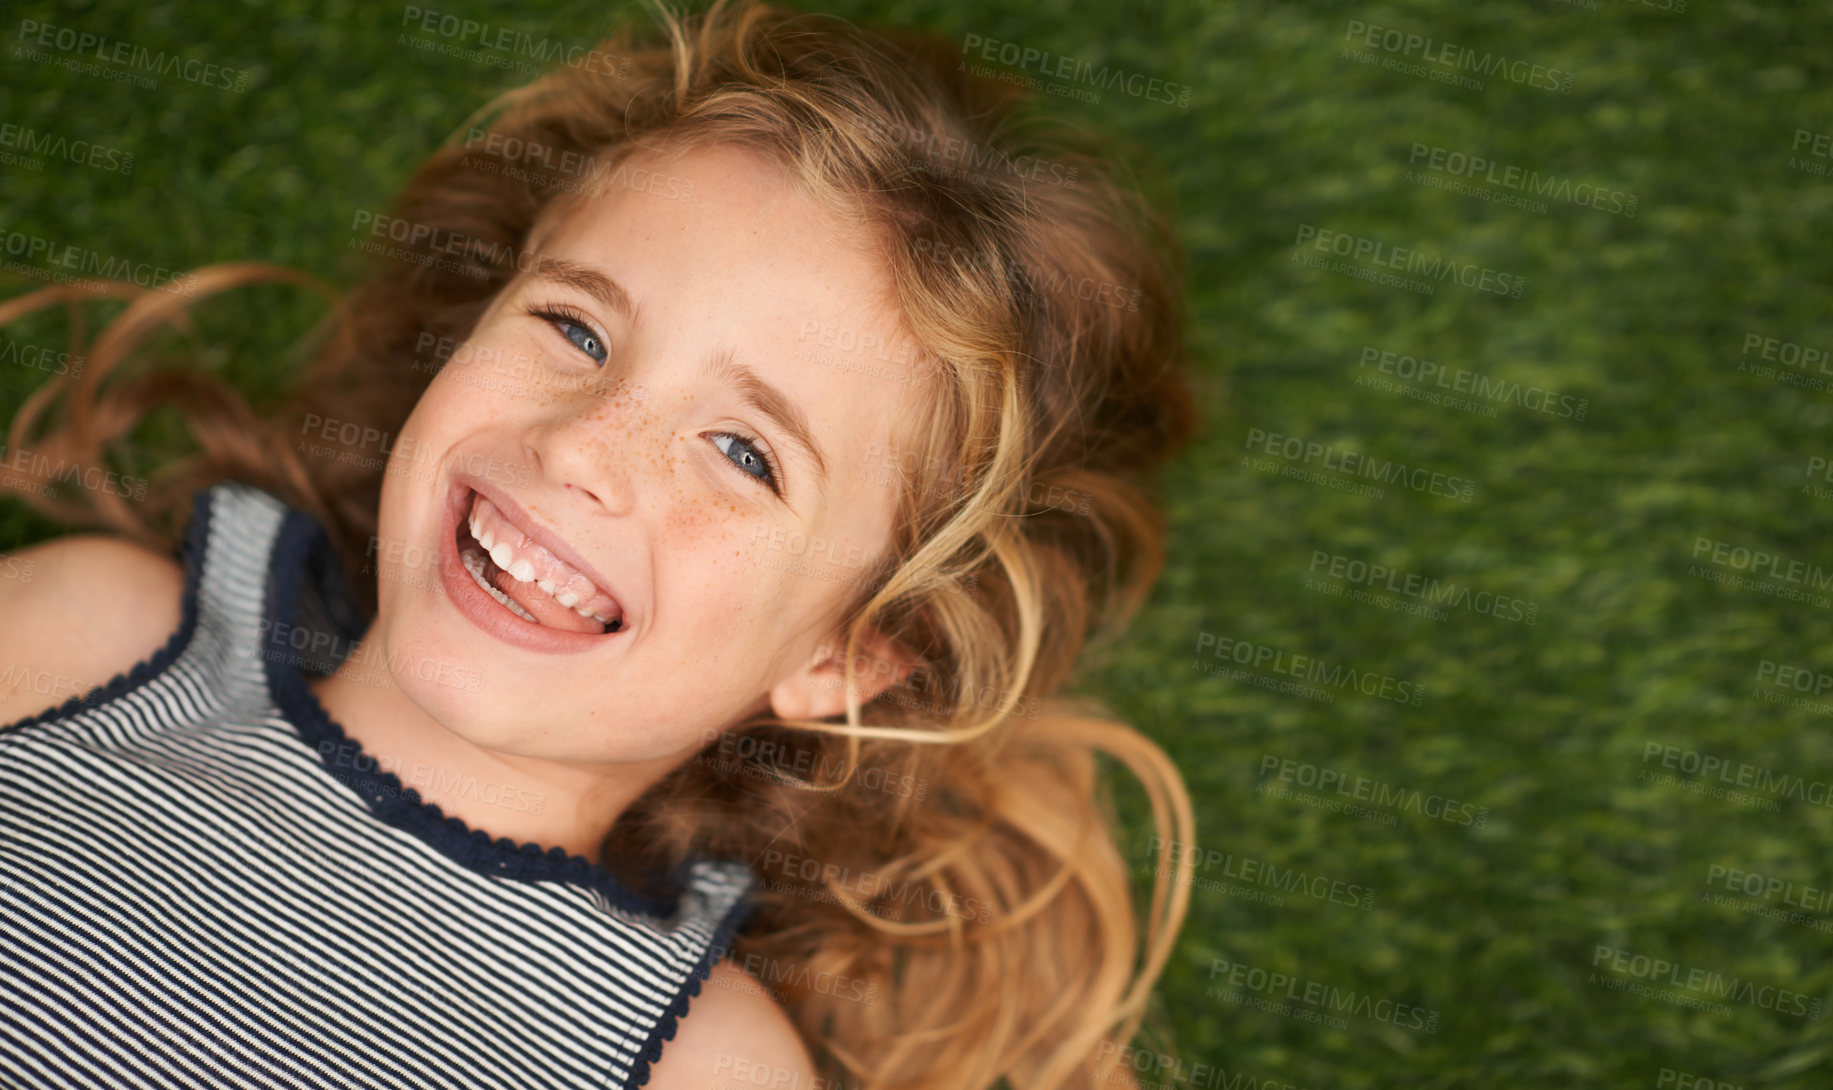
x=661, y=581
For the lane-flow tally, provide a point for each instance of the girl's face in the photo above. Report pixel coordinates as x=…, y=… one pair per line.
x=651, y=426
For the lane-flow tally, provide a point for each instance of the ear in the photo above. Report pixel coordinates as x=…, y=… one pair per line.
x=818, y=689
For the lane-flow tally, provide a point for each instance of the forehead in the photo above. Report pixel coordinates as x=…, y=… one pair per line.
x=724, y=200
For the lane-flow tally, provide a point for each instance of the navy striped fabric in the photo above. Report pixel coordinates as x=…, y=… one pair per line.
x=193, y=892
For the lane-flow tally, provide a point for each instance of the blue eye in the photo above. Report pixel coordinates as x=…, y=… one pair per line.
x=586, y=340
x=745, y=454
x=573, y=328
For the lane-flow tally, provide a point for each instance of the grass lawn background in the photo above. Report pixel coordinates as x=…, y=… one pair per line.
x=1542, y=729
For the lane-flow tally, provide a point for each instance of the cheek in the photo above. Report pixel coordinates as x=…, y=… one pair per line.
x=448, y=405
x=717, y=546
x=709, y=520
x=721, y=535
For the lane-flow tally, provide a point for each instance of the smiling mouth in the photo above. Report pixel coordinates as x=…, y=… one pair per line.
x=526, y=579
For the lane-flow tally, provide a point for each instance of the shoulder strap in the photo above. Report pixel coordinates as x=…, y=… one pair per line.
x=213, y=659
x=716, y=904
x=231, y=578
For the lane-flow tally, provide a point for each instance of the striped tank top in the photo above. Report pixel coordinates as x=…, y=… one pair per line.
x=197, y=888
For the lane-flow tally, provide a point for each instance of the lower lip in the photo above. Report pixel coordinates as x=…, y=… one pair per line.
x=486, y=612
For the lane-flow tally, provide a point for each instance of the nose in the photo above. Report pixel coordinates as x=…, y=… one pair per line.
x=588, y=443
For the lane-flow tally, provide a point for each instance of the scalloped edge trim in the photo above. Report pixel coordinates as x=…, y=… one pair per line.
x=670, y=1021
x=384, y=795
x=196, y=542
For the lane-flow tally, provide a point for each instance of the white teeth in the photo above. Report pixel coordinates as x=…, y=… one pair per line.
x=503, y=555
x=475, y=565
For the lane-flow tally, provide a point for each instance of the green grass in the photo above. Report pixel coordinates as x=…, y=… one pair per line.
x=1592, y=521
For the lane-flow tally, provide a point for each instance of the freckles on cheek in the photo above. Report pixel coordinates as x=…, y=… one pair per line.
x=725, y=544
x=712, y=524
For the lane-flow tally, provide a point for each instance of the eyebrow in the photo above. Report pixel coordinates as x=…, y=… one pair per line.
x=761, y=396
x=558, y=270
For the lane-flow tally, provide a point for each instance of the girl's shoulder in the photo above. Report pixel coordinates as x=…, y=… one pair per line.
x=733, y=1031
x=79, y=610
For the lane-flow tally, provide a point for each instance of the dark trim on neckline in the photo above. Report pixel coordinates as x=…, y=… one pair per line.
x=299, y=536
x=665, y=1027
x=196, y=541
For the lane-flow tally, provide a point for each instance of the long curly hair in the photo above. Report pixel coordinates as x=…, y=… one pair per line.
x=943, y=902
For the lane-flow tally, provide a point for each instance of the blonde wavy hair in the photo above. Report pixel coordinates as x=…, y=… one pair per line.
x=966, y=874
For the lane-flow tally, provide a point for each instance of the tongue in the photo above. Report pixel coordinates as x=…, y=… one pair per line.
x=541, y=605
